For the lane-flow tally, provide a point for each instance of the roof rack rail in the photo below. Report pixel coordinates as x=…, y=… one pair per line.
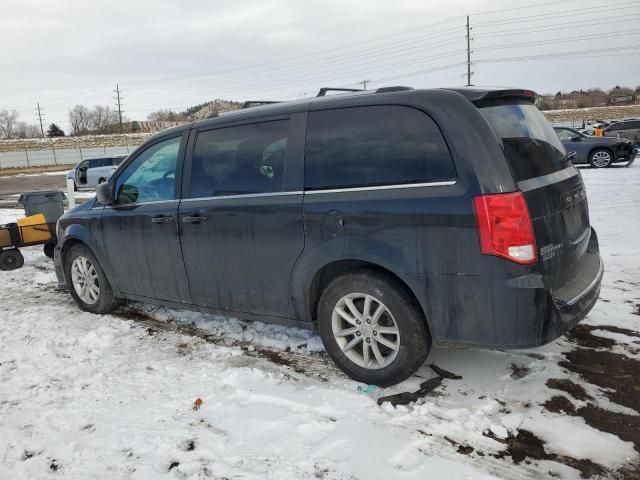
x=257, y=103
x=323, y=91
x=393, y=89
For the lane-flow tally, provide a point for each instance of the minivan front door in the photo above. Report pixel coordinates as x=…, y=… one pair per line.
x=241, y=223
x=140, y=231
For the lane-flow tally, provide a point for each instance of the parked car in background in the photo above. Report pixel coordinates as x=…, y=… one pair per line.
x=598, y=152
x=93, y=171
x=626, y=129
x=370, y=215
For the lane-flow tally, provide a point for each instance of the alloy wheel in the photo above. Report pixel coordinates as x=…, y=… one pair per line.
x=84, y=278
x=365, y=330
x=601, y=159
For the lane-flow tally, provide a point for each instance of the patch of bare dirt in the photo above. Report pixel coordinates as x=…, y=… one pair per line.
x=525, y=445
x=581, y=335
x=615, y=373
x=560, y=404
x=566, y=385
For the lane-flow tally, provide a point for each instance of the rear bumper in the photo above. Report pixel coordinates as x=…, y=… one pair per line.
x=492, y=310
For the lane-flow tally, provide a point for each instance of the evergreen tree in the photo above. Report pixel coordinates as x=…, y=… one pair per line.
x=54, y=131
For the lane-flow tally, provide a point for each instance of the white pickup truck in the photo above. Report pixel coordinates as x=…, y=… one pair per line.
x=93, y=171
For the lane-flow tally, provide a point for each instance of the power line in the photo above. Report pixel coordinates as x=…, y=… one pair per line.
x=536, y=5
x=309, y=74
x=560, y=40
x=554, y=26
x=543, y=16
x=561, y=54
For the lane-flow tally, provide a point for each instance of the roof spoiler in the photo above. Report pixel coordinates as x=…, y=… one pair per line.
x=480, y=96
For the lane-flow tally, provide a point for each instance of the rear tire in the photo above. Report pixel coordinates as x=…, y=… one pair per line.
x=11, y=259
x=601, y=158
x=372, y=347
x=88, y=284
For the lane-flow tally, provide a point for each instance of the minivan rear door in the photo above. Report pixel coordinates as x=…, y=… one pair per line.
x=552, y=186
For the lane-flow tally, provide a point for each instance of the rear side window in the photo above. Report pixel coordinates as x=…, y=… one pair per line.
x=376, y=145
x=615, y=127
x=530, y=144
x=239, y=160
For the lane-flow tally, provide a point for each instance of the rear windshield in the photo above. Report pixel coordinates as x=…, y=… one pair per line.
x=530, y=144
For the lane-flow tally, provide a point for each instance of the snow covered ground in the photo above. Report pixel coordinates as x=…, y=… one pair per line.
x=86, y=396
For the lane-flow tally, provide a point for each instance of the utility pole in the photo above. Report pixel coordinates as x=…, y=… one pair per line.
x=118, y=104
x=364, y=84
x=468, y=53
x=40, y=117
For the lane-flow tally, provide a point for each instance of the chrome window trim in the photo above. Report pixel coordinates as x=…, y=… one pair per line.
x=173, y=200
x=297, y=192
x=396, y=186
x=244, y=195
x=544, y=180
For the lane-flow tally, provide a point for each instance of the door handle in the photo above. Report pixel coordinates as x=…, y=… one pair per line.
x=194, y=219
x=163, y=219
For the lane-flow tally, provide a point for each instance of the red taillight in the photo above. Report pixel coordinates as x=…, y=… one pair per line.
x=504, y=227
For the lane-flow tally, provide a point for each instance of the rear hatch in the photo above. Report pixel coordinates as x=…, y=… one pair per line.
x=553, y=189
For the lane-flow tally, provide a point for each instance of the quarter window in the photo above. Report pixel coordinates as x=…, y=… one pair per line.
x=151, y=176
x=375, y=145
x=239, y=160
x=566, y=135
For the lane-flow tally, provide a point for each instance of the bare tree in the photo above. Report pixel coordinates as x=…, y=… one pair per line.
x=165, y=115
x=80, y=119
x=8, y=120
x=102, y=117
x=24, y=130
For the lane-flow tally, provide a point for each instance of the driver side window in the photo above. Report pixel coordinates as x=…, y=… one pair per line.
x=151, y=176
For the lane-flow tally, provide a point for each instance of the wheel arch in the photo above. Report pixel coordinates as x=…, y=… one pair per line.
x=332, y=270
x=78, y=234
x=607, y=148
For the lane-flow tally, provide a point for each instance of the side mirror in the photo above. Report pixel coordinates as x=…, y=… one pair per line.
x=105, y=194
x=576, y=139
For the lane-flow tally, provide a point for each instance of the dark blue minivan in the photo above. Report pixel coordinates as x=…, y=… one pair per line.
x=391, y=220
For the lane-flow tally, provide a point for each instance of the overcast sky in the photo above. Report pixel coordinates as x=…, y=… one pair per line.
x=178, y=53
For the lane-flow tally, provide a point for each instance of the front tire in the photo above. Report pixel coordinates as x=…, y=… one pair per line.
x=601, y=158
x=372, y=329
x=88, y=284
